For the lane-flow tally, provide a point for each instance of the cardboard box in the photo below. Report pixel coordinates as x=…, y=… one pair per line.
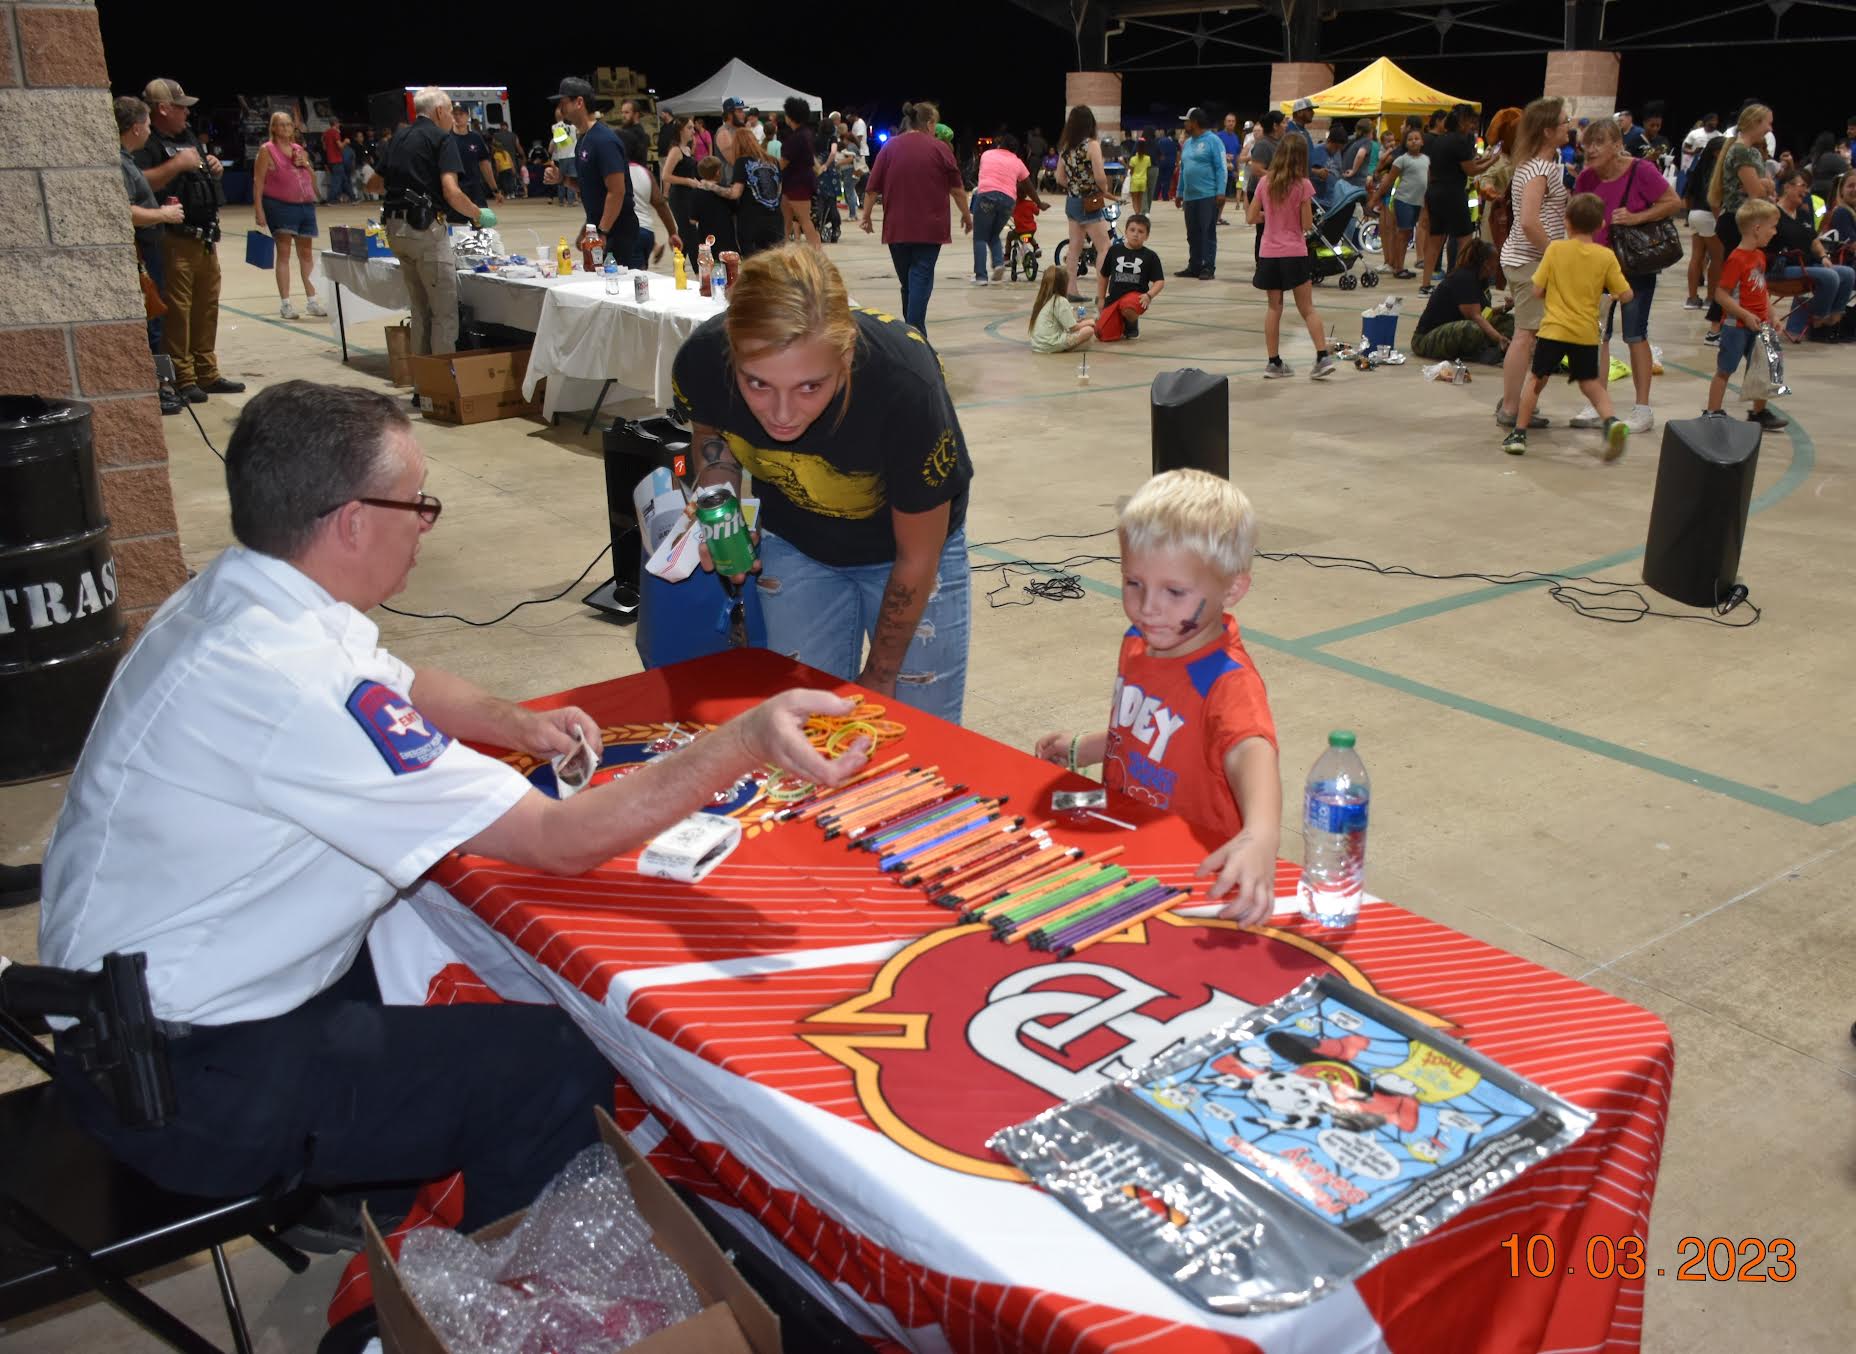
x=733, y=1321
x=475, y=386
x=399, y=353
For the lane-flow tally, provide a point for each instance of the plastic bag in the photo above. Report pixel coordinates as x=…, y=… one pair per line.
x=579, y=1275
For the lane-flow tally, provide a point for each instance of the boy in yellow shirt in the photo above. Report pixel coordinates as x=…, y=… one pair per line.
x=1573, y=277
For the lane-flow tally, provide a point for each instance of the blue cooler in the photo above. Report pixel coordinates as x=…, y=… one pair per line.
x=1380, y=331
x=690, y=619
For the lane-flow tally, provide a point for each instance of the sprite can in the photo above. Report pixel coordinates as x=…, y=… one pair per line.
x=730, y=546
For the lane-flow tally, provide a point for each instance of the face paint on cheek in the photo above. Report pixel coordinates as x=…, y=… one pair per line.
x=1198, y=614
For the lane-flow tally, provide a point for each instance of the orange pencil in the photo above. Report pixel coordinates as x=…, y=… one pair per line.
x=854, y=790
x=992, y=853
x=1025, y=893
x=959, y=860
x=940, y=828
x=1137, y=918
x=1020, y=868
x=818, y=797
x=877, y=793
x=885, y=808
x=1054, y=918
x=992, y=891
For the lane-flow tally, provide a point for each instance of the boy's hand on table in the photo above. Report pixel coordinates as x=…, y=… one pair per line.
x=1055, y=747
x=1245, y=868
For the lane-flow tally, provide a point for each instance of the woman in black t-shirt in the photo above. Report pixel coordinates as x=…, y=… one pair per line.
x=1453, y=326
x=844, y=421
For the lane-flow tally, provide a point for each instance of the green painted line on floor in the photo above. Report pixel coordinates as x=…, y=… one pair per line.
x=302, y=330
x=1834, y=807
x=1803, y=463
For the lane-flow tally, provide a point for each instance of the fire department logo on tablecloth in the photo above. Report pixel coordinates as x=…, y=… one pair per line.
x=959, y=1035
x=626, y=747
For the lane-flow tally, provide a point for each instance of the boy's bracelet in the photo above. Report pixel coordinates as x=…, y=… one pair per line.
x=1075, y=740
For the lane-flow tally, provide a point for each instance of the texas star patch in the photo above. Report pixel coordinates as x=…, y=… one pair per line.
x=396, y=727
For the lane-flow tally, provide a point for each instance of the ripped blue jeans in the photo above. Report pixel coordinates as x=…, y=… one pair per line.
x=822, y=615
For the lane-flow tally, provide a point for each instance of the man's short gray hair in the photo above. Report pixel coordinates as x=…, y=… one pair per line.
x=429, y=100
x=300, y=449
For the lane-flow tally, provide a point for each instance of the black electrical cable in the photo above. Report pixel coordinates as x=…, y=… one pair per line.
x=188, y=406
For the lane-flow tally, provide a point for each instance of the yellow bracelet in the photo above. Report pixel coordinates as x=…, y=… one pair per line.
x=1075, y=740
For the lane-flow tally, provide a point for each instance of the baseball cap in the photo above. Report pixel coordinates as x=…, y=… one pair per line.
x=1303, y=106
x=729, y=105
x=573, y=87
x=166, y=91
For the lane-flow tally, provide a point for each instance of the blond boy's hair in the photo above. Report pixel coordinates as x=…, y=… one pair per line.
x=1753, y=212
x=1194, y=512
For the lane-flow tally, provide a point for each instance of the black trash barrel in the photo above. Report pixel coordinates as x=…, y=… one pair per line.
x=60, y=630
x=1192, y=422
x=1704, y=489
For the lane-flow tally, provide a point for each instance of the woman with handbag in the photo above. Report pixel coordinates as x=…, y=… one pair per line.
x=1081, y=175
x=284, y=191
x=1640, y=229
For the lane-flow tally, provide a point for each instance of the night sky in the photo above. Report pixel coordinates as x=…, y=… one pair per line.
x=989, y=65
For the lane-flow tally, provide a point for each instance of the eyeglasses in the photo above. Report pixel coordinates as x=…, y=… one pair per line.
x=425, y=505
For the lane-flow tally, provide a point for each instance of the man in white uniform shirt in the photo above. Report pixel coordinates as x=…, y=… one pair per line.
x=264, y=779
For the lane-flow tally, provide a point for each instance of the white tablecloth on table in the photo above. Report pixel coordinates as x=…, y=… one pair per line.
x=588, y=335
x=584, y=336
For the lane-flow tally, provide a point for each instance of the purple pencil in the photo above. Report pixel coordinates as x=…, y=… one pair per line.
x=1108, y=921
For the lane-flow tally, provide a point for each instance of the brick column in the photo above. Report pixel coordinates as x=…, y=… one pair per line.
x=1291, y=80
x=1587, y=81
x=70, y=303
x=1101, y=90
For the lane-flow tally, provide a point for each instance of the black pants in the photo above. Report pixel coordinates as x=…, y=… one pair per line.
x=1727, y=230
x=345, y=1093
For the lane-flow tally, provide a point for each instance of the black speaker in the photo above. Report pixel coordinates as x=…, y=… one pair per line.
x=1192, y=422
x=633, y=449
x=1704, y=486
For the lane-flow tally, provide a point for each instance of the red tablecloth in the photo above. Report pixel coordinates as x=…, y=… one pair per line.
x=825, y=1053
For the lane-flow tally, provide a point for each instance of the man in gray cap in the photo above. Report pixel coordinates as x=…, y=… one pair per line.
x=734, y=123
x=1301, y=113
x=177, y=165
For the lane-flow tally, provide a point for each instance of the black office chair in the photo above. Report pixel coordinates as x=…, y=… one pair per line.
x=74, y=1220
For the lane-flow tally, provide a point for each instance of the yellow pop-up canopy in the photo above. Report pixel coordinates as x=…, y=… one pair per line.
x=1381, y=90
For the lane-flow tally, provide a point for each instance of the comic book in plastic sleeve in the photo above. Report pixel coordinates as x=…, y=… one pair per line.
x=1263, y=1164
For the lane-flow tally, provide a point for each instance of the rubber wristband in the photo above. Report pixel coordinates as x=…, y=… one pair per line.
x=1075, y=740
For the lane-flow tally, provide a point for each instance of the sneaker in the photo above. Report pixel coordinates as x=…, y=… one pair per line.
x=1769, y=419
x=314, y=306
x=1617, y=433
x=1640, y=419
x=1324, y=366
x=1425, y=290
x=286, y=310
x=1207, y=275
x=1714, y=413
x=193, y=394
x=1404, y=275
x=1130, y=329
x=998, y=274
x=219, y=385
x=1712, y=338
x=1587, y=418
x=982, y=282
x=1694, y=303
x=1276, y=369
x=1187, y=272
x=1824, y=333
x=1515, y=444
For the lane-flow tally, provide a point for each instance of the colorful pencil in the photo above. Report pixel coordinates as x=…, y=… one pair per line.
x=793, y=810
x=957, y=831
x=1155, y=910
x=1042, y=913
x=935, y=826
x=1138, y=894
x=944, y=867
x=944, y=800
x=1028, y=858
x=949, y=850
x=889, y=809
x=881, y=799
x=879, y=838
x=943, y=881
x=1047, y=893
x=1024, y=892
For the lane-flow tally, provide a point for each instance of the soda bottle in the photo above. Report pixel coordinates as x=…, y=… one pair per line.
x=1335, y=800
x=705, y=264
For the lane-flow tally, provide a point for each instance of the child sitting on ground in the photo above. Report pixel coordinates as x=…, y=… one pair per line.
x=1127, y=283
x=1190, y=729
x=1741, y=290
x=1573, y=277
x=1055, y=325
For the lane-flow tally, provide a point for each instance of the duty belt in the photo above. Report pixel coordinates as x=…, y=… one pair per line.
x=206, y=234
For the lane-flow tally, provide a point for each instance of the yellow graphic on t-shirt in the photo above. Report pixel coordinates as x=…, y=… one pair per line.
x=941, y=461
x=812, y=482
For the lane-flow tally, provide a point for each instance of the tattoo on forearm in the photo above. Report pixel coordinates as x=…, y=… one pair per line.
x=715, y=451
x=895, y=626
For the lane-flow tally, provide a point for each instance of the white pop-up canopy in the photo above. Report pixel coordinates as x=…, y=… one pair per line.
x=736, y=80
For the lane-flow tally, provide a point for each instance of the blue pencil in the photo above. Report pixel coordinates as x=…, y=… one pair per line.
x=903, y=858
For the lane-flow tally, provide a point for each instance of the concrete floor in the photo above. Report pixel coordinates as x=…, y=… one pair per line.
x=1648, y=807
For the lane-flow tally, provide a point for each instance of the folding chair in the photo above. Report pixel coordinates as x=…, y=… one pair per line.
x=74, y=1220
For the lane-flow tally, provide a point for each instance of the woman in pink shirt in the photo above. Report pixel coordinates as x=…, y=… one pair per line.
x=1002, y=171
x=284, y=189
x=1283, y=202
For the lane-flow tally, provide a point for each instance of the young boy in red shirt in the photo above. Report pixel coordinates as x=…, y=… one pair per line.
x=1741, y=290
x=1190, y=729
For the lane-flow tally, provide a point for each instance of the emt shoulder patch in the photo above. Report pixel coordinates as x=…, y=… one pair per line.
x=396, y=727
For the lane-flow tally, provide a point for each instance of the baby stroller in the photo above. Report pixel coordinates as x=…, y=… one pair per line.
x=1111, y=213
x=1333, y=247
x=825, y=207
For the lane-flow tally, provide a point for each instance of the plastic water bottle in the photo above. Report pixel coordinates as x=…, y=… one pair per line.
x=1335, y=800
x=611, y=271
x=718, y=284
